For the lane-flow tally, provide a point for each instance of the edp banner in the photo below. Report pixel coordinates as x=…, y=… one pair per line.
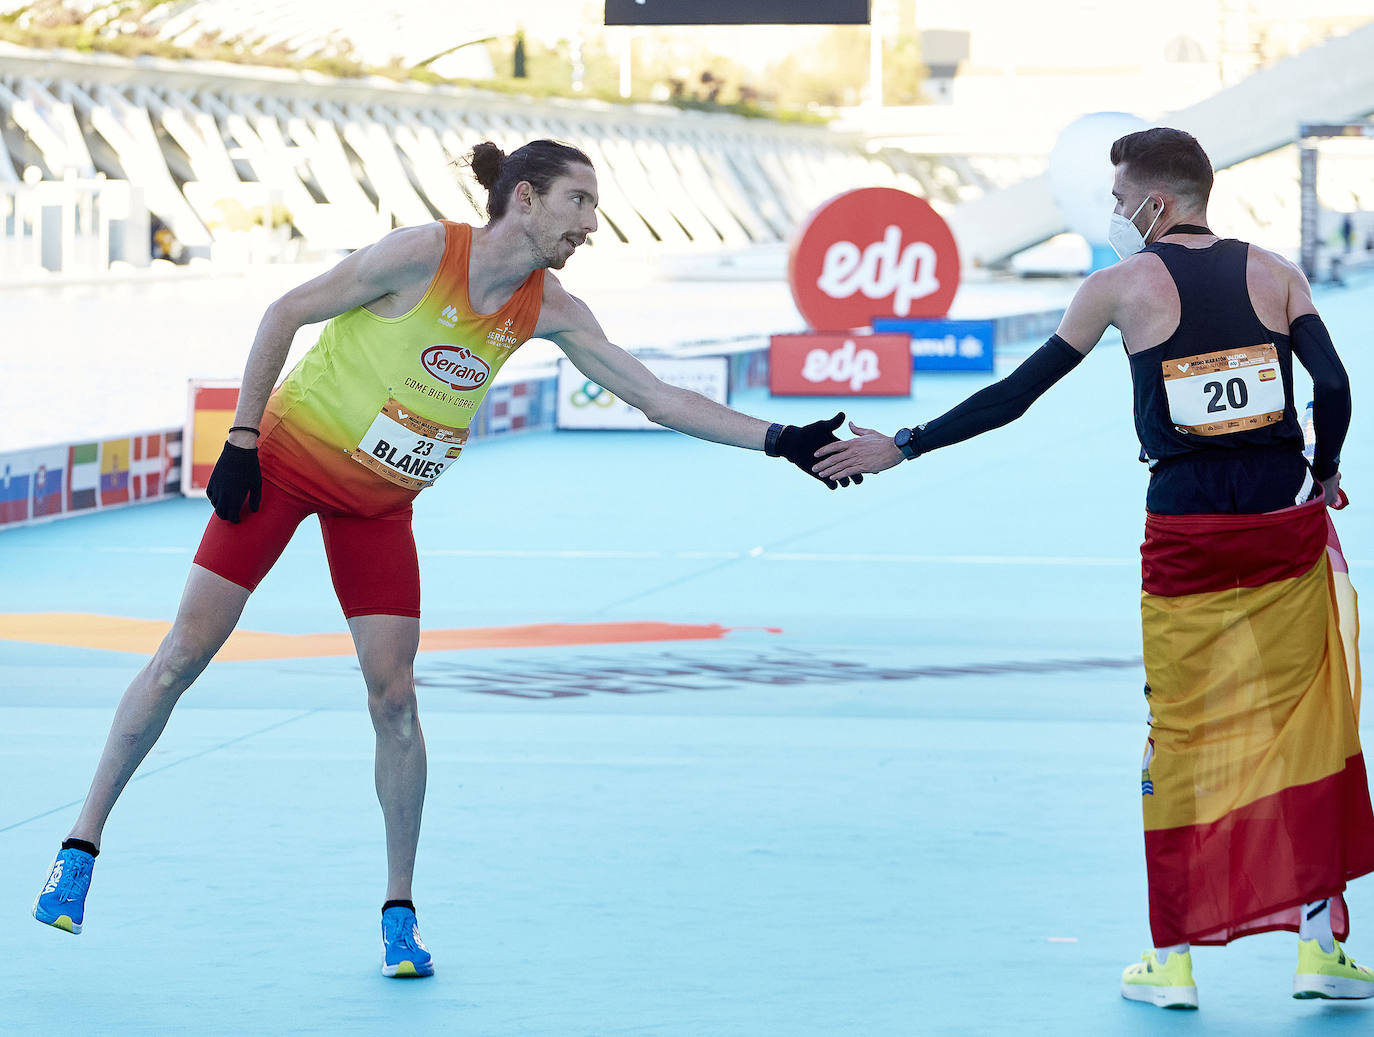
x=582, y=404
x=839, y=365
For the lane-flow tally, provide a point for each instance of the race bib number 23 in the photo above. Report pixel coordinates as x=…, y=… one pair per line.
x=408, y=450
x=1231, y=390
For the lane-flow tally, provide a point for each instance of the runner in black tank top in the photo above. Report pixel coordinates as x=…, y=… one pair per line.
x=1214, y=412
x=1214, y=406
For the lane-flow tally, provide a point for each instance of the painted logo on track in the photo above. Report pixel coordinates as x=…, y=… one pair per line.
x=456, y=366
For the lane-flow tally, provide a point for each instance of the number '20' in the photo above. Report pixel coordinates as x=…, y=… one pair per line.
x=1237, y=395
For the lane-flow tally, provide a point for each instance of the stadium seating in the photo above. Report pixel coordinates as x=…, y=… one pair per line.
x=219, y=151
x=242, y=162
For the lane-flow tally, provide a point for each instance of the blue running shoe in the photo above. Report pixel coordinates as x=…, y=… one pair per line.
x=62, y=904
x=403, y=955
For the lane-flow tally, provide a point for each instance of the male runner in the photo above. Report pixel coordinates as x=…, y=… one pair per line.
x=418, y=325
x=1255, y=796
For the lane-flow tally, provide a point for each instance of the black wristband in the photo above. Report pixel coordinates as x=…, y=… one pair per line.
x=244, y=428
x=770, y=441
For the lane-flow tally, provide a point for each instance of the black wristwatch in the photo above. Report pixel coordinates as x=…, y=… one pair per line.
x=905, y=440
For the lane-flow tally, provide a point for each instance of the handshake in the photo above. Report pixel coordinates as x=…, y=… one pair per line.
x=816, y=450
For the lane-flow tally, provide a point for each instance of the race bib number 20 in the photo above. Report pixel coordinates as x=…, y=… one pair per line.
x=1231, y=390
x=408, y=450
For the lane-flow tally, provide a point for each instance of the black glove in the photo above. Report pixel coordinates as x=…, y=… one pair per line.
x=799, y=445
x=235, y=477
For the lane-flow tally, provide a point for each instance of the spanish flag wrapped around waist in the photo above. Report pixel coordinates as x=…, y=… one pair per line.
x=1254, y=788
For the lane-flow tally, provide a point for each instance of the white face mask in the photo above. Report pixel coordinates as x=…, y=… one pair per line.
x=1123, y=235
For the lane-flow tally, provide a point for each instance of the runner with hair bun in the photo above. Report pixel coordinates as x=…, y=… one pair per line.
x=419, y=324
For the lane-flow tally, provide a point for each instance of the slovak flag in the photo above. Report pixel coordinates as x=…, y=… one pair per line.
x=48, y=481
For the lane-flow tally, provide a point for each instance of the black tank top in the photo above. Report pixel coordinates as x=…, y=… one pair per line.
x=1222, y=381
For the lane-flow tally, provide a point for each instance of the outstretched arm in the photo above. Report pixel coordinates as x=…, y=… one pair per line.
x=992, y=407
x=668, y=405
x=578, y=334
x=999, y=404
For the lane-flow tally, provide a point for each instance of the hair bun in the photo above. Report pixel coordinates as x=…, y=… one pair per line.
x=486, y=163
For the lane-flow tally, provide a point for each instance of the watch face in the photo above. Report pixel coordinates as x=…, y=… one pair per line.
x=903, y=437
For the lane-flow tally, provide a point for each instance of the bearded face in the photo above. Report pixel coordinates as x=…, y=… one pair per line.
x=562, y=217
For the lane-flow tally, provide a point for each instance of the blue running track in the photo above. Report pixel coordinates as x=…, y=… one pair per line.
x=896, y=795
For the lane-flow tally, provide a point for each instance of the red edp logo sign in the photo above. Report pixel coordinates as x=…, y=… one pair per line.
x=839, y=365
x=874, y=252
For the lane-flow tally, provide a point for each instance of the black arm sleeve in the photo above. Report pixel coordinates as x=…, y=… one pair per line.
x=1330, y=391
x=1002, y=402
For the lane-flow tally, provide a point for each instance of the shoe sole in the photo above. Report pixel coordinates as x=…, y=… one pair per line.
x=407, y=970
x=1331, y=988
x=63, y=922
x=1161, y=997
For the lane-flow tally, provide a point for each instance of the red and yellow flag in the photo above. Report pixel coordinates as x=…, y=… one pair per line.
x=212, y=412
x=1254, y=788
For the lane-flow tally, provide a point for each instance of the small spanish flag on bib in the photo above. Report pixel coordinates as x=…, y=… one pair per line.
x=1258, y=799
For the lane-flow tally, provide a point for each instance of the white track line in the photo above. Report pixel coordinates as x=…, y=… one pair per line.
x=760, y=553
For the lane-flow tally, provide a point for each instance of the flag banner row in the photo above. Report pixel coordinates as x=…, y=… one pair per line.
x=42, y=483
x=49, y=482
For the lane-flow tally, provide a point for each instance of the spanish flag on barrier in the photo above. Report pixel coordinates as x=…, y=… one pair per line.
x=1254, y=788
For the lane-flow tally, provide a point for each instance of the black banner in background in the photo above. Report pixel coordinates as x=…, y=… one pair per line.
x=737, y=12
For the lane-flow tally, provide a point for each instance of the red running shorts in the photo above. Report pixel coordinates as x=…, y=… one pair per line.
x=372, y=561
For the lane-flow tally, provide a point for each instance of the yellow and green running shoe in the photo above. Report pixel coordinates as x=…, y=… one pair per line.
x=1332, y=975
x=1169, y=985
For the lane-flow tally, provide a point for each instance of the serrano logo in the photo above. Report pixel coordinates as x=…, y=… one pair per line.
x=875, y=252
x=457, y=367
x=503, y=336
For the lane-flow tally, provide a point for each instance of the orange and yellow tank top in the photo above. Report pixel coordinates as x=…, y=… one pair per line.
x=380, y=406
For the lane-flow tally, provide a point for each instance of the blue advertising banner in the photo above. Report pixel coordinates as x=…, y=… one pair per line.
x=969, y=345
x=946, y=345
